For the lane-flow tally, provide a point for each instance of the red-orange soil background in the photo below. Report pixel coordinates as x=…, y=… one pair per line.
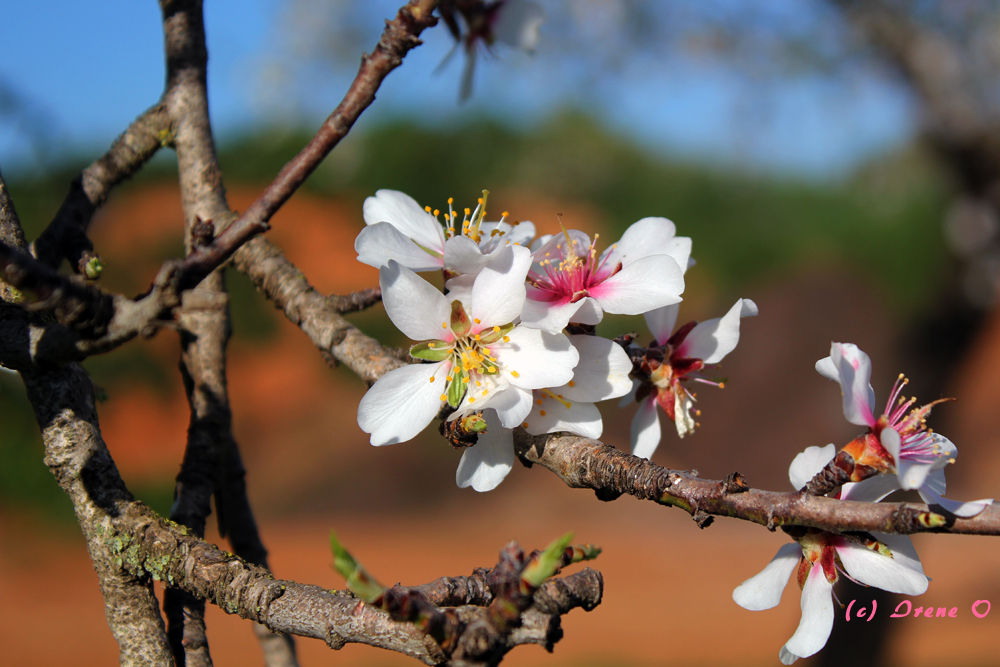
x=668, y=585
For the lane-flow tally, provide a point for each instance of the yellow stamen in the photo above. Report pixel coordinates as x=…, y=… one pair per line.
x=506, y=339
x=515, y=374
x=572, y=383
x=558, y=398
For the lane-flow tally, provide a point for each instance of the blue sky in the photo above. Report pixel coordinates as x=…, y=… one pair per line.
x=85, y=70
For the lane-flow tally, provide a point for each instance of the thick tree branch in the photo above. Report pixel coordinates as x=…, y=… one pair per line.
x=66, y=236
x=146, y=544
x=63, y=400
x=400, y=35
x=205, y=329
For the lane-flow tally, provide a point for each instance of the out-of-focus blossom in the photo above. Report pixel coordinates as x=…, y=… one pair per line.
x=474, y=23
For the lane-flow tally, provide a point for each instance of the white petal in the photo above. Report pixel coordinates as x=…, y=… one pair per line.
x=649, y=236
x=912, y=475
x=902, y=573
x=891, y=441
x=498, y=293
x=403, y=212
x=512, y=404
x=935, y=482
x=661, y=321
x=870, y=490
x=518, y=23
x=808, y=463
x=713, y=339
x=462, y=255
x=589, y=312
x=855, y=371
x=630, y=396
x=540, y=359
x=549, y=315
x=601, y=373
x=402, y=403
x=485, y=464
x=786, y=657
x=415, y=306
x=580, y=418
x=539, y=242
x=947, y=452
x=960, y=509
x=828, y=369
x=381, y=242
x=648, y=283
x=763, y=590
x=817, y=616
x=645, y=429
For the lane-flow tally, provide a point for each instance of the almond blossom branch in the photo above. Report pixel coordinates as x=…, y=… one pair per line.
x=66, y=236
x=401, y=34
x=591, y=464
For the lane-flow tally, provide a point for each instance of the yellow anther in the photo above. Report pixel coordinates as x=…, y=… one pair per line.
x=506, y=339
x=478, y=383
x=444, y=325
x=477, y=320
x=504, y=214
x=444, y=397
x=437, y=212
x=476, y=336
x=515, y=374
x=432, y=378
x=427, y=208
x=722, y=385
x=524, y=425
x=431, y=345
x=484, y=391
x=468, y=211
x=451, y=200
x=472, y=399
x=538, y=401
x=572, y=383
x=541, y=412
x=480, y=200
x=496, y=329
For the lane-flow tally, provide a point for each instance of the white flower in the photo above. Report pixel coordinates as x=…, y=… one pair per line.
x=916, y=455
x=675, y=358
x=399, y=229
x=891, y=564
x=601, y=373
x=570, y=283
x=480, y=358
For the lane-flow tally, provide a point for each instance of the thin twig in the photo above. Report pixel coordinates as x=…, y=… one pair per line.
x=400, y=35
x=66, y=236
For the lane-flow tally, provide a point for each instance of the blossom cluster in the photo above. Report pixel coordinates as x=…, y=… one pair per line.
x=510, y=342
x=897, y=451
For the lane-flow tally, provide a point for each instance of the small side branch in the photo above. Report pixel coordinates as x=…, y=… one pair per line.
x=401, y=34
x=66, y=236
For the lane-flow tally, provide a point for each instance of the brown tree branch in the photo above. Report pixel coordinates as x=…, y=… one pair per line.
x=66, y=236
x=148, y=545
x=591, y=464
x=317, y=315
x=63, y=400
x=401, y=34
x=205, y=329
